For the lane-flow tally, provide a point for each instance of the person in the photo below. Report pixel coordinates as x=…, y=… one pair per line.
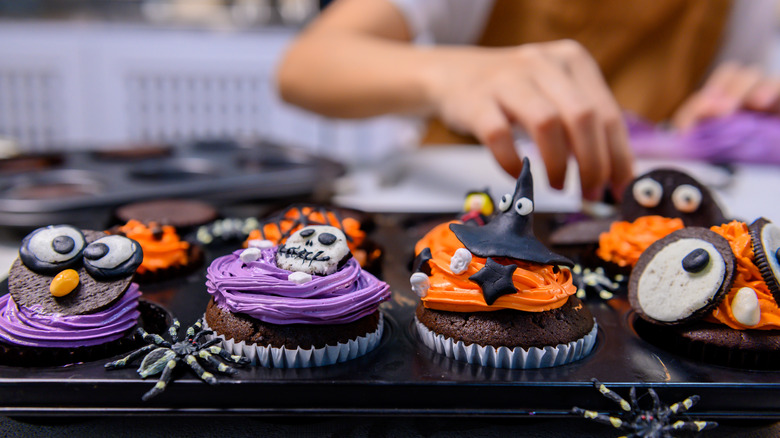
x=564, y=71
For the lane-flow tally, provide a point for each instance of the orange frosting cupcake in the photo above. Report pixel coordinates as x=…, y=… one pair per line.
x=747, y=275
x=162, y=246
x=626, y=241
x=540, y=287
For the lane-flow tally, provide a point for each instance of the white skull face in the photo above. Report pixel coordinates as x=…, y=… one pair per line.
x=317, y=249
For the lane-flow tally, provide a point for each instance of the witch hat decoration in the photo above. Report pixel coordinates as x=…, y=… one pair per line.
x=510, y=232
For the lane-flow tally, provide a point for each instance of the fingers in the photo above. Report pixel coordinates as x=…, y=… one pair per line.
x=493, y=129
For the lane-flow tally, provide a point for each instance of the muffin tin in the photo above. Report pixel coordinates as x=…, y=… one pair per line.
x=83, y=187
x=400, y=377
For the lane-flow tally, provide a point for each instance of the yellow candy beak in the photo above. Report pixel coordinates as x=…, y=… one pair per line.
x=64, y=283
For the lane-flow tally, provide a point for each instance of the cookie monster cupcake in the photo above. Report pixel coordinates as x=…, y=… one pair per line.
x=494, y=295
x=303, y=303
x=71, y=298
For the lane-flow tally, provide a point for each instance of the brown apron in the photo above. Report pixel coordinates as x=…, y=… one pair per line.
x=653, y=53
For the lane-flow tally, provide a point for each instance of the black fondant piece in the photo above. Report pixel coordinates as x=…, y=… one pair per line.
x=307, y=232
x=495, y=280
x=761, y=257
x=777, y=255
x=707, y=215
x=95, y=251
x=124, y=269
x=63, y=244
x=697, y=260
x=509, y=234
x=421, y=262
x=326, y=238
x=46, y=268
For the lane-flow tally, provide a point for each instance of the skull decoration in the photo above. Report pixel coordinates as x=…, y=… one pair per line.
x=317, y=249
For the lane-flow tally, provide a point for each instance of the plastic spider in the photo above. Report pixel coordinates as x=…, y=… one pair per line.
x=163, y=356
x=595, y=282
x=656, y=422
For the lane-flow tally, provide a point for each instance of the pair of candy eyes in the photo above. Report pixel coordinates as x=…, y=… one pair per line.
x=648, y=192
x=523, y=206
x=63, y=246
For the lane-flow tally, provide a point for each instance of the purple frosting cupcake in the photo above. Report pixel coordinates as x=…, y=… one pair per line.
x=305, y=303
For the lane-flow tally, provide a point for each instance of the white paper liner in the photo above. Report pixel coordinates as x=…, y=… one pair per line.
x=505, y=357
x=272, y=357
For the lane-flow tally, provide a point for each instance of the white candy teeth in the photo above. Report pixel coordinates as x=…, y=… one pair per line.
x=745, y=307
x=420, y=284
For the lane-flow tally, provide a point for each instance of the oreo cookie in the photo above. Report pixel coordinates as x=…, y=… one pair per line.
x=765, y=237
x=682, y=277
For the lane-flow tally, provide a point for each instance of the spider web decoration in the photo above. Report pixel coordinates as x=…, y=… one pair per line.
x=659, y=421
x=162, y=357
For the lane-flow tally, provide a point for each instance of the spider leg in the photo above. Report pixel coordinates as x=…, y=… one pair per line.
x=656, y=399
x=152, y=338
x=203, y=374
x=210, y=343
x=615, y=422
x=201, y=334
x=219, y=366
x=612, y=395
x=165, y=378
x=684, y=405
x=240, y=360
x=632, y=398
x=173, y=330
x=690, y=426
x=125, y=361
x=193, y=329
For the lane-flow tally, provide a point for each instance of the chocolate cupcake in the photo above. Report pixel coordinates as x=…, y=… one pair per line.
x=301, y=304
x=700, y=293
x=496, y=296
x=71, y=298
x=165, y=254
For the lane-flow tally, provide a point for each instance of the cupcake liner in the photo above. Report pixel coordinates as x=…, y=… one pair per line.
x=272, y=357
x=504, y=357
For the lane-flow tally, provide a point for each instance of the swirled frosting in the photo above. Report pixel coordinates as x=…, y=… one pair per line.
x=626, y=241
x=29, y=327
x=262, y=291
x=539, y=287
x=160, y=251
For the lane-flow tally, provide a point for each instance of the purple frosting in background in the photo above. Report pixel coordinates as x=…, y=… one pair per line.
x=743, y=137
x=20, y=325
x=261, y=290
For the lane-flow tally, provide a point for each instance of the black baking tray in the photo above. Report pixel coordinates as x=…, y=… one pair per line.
x=402, y=376
x=78, y=187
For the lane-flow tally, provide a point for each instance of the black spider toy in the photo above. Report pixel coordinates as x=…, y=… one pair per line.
x=163, y=356
x=657, y=422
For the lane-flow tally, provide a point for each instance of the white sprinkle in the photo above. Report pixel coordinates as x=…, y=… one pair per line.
x=250, y=255
x=299, y=277
x=259, y=243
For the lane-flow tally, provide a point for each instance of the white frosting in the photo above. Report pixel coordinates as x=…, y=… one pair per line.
x=667, y=292
x=420, y=284
x=299, y=277
x=745, y=307
x=460, y=261
x=260, y=244
x=770, y=240
x=250, y=255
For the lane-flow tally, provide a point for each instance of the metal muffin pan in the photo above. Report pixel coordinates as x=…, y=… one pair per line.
x=80, y=185
x=401, y=377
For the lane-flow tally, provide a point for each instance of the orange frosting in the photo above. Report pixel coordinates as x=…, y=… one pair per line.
x=747, y=275
x=626, y=241
x=539, y=287
x=274, y=231
x=161, y=252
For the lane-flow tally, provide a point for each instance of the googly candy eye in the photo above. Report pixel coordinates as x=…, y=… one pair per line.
x=647, y=192
x=524, y=206
x=51, y=249
x=686, y=198
x=112, y=257
x=506, y=202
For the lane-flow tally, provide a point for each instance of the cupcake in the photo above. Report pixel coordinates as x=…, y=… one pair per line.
x=280, y=226
x=303, y=303
x=165, y=254
x=71, y=298
x=711, y=294
x=183, y=214
x=496, y=296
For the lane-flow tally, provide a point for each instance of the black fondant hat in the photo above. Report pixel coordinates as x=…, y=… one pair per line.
x=510, y=231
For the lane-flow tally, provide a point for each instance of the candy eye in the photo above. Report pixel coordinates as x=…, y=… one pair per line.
x=647, y=192
x=51, y=249
x=112, y=256
x=505, y=203
x=524, y=206
x=686, y=198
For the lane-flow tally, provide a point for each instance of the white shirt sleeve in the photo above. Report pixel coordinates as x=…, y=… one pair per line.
x=445, y=21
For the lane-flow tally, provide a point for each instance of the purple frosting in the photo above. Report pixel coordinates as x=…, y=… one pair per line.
x=261, y=290
x=20, y=325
